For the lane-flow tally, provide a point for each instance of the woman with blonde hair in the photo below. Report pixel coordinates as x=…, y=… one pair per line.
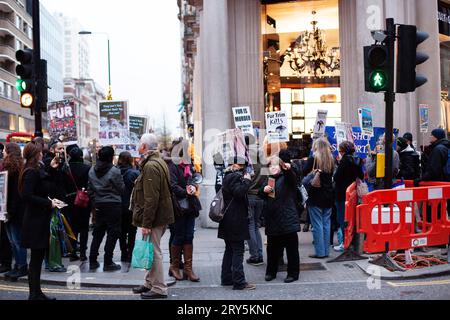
x=320, y=195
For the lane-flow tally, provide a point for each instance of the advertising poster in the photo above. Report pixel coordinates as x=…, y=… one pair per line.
x=243, y=120
x=366, y=121
x=62, y=121
x=114, y=126
x=344, y=132
x=424, y=118
x=321, y=122
x=3, y=195
x=360, y=140
x=277, y=127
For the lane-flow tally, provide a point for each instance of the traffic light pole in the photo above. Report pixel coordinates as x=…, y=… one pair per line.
x=37, y=66
x=390, y=99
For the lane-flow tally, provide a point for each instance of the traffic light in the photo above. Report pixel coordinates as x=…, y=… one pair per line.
x=26, y=85
x=409, y=58
x=376, y=68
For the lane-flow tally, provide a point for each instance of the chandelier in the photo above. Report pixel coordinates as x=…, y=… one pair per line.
x=310, y=54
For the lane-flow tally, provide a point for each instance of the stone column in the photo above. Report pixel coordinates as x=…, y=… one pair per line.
x=215, y=79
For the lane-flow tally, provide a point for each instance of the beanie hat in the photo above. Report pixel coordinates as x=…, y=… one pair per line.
x=106, y=154
x=408, y=136
x=438, y=134
x=75, y=154
x=402, y=143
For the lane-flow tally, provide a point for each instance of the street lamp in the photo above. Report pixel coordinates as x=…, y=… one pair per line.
x=83, y=33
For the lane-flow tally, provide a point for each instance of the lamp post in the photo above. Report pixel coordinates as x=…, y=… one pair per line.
x=83, y=33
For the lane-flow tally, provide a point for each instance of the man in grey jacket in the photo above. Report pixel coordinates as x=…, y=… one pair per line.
x=106, y=187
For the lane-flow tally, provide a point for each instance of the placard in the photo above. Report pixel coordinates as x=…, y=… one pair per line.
x=321, y=122
x=114, y=126
x=3, y=195
x=424, y=118
x=277, y=127
x=344, y=132
x=243, y=120
x=366, y=121
x=62, y=121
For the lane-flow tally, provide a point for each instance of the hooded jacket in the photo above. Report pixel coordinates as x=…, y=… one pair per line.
x=106, y=184
x=409, y=164
x=437, y=161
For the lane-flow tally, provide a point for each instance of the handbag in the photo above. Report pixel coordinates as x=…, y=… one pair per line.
x=312, y=179
x=82, y=199
x=143, y=254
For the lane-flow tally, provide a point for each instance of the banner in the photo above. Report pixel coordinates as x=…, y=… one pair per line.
x=3, y=195
x=114, y=126
x=361, y=140
x=62, y=122
x=321, y=122
x=366, y=121
x=277, y=127
x=243, y=120
x=344, y=132
x=424, y=116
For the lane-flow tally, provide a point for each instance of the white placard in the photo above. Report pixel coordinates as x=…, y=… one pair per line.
x=366, y=121
x=321, y=123
x=3, y=195
x=277, y=127
x=344, y=132
x=243, y=120
x=114, y=123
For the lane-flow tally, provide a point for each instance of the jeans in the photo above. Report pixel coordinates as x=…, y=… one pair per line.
x=108, y=220
x=183, y=230
x=15, y=237
x=321, y=222
x=275, y=248
x=233, y=264
x=255, y=243
x=340, y=207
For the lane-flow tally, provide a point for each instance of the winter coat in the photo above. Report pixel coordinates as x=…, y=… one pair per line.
x=80, y=173
x=234, y=226
x=129, y=175
x=151, y=198
x=38, y=186
x=371, y=169
x=15, y=206
x=437, y=161
x=347, y=172
x=409, y=164
x=281, y=214
x=322, y=197
x=106, y=185
x=178, y=184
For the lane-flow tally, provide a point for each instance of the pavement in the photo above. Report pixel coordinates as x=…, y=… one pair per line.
x=208, y=252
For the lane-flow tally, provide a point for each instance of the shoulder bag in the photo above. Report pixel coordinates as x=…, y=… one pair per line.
x=82, y=197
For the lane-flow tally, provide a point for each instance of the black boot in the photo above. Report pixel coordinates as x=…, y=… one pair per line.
x=5, y=268
x=17, y=274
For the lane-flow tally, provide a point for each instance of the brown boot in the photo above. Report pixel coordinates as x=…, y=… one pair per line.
x=174, y=270
x=189, y=274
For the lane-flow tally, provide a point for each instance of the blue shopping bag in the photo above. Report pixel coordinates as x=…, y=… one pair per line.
x=143, y=254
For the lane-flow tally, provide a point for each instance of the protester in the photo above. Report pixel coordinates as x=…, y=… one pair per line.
x=409, y=161
x=5, y=245
x=13, y=164
x=36, y=187
x=128, y=235
x=106, y=188
x=76, y=179
x=409, y=140
x=320, y=199
x=183, y=189
x=282, y=219
x=153, y=212
x=349, y=169
x=233, y=229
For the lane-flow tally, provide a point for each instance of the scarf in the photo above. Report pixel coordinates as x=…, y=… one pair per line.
x=187, y=169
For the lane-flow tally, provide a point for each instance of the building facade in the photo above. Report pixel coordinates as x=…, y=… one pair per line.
x=15, y=33
x=254, y=52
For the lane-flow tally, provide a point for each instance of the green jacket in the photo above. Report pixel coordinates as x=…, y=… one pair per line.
x=151, y=200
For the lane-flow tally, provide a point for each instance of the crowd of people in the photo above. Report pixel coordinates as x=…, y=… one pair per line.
x=158, y=192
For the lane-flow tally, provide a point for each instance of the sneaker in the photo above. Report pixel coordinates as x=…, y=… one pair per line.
x=60, y=269
x=339, y=248
x=94, y=265
x=255, y=262
x=247, y=287
x=111, y=267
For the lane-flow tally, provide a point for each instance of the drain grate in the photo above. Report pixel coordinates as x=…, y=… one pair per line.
x=306, y=267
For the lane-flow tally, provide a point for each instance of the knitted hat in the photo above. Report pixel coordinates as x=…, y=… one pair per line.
x=402, y=143
x=76, y=154
x=408, y=136
x=438, y=134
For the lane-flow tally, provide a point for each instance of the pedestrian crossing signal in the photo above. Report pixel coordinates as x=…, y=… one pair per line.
x=376, y=67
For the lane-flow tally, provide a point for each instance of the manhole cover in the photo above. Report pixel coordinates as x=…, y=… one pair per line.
x=306, y=267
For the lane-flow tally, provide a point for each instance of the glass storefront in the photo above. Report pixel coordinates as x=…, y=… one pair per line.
x=444, y=38
x=302, y=62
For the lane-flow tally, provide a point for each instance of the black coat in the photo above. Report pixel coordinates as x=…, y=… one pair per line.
x=38, y=185
x=80, y=173
x=15, y=204
x=281, y=214
x=234, y=226
x=178, y=183
x=320, y=197
x=347, y=172
x=129, y=176
x=409, y=165
x=437, y=161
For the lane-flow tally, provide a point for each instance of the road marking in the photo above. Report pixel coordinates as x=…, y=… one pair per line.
x=419, y=284
x=67, y=291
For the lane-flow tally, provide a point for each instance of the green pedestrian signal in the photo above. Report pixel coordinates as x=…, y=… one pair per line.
x=378, y=80
x=21, y=85
x=376, y=68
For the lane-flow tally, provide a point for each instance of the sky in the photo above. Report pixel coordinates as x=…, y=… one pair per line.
x=145, y=52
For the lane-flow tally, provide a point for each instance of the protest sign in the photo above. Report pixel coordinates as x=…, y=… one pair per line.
x=277, y=127
x=3, y=195
x=366, y=121
x=424, y=116
x=243, y=120
x=321, y=122
x=114, y=126
x=344, y=132
x=62, y=121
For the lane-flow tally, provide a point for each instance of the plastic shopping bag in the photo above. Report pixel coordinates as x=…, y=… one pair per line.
x=143, y=254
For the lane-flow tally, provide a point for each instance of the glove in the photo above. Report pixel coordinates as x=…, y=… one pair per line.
x=417, y=183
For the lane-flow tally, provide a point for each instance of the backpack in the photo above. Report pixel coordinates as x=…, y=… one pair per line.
x=447, y=167
x=217, y=209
